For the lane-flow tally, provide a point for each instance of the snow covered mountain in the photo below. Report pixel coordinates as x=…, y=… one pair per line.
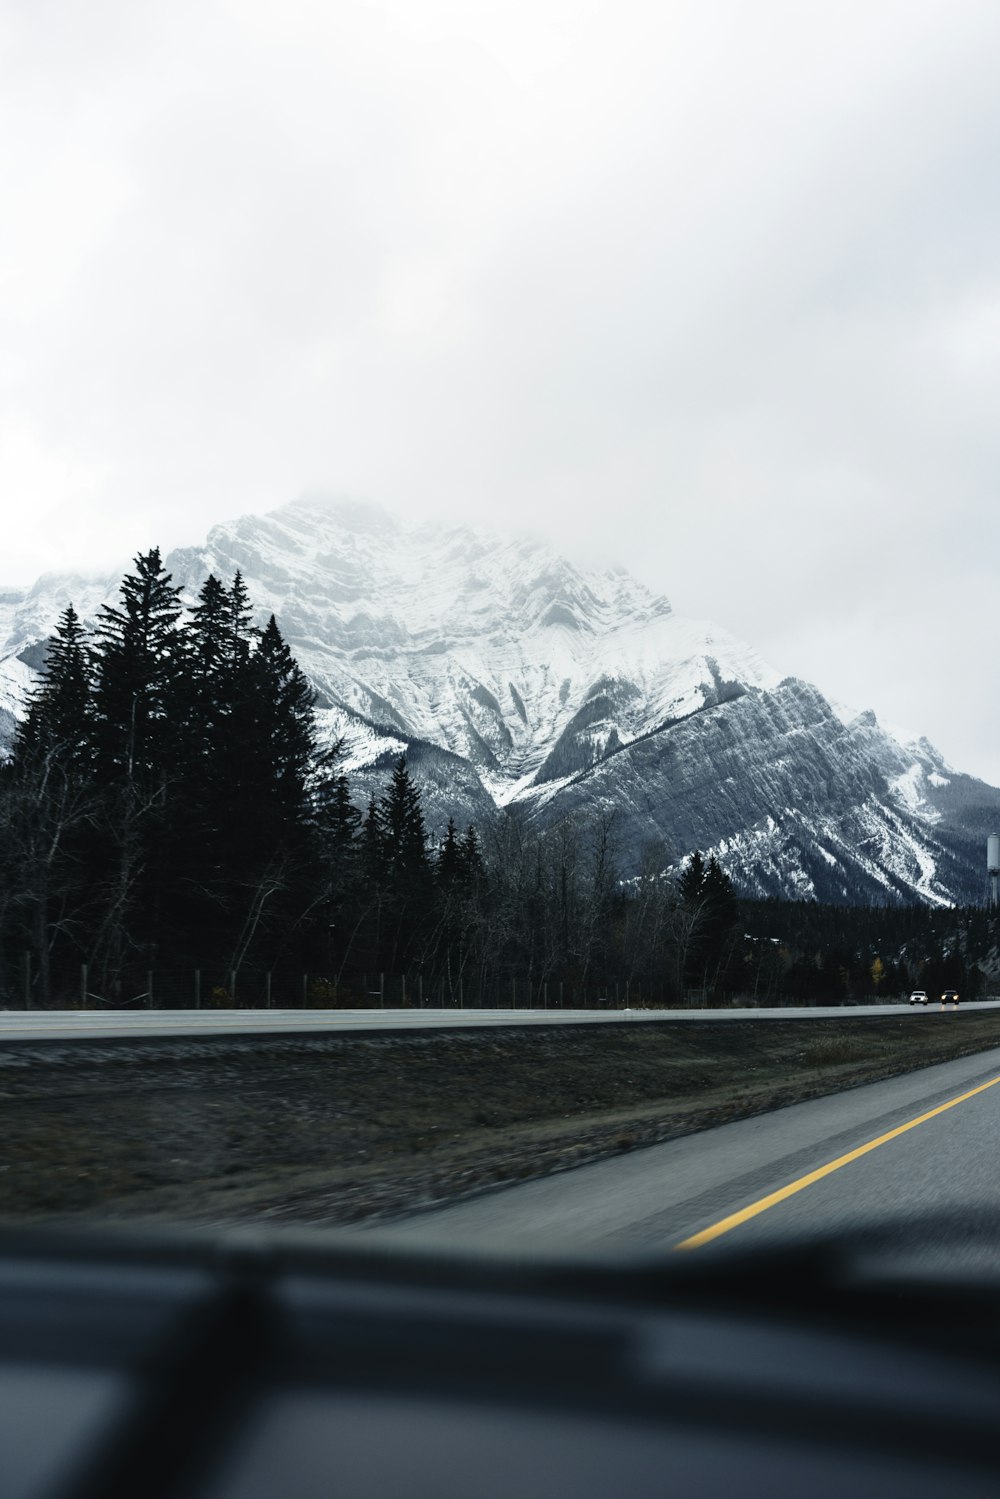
x=511, y=675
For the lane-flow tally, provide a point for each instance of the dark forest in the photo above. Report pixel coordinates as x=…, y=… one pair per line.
x=172, y=833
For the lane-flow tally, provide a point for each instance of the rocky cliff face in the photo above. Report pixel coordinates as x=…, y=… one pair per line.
x=510, y=675
x=793, y=801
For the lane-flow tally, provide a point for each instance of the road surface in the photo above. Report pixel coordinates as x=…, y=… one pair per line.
x=911, y=1149
x=63, y=1025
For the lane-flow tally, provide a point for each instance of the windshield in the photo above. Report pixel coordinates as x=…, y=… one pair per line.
x=465, y=472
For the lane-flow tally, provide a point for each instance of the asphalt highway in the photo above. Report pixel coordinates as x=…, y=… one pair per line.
x=64, y=1025
x=918, y=1151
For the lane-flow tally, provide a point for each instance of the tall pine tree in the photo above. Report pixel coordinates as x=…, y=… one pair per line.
x=58, y=718
x=402, y=820
x=136, y=664
x=284, y=732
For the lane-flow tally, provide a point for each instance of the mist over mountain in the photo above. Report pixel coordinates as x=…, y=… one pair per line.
x=511, y=676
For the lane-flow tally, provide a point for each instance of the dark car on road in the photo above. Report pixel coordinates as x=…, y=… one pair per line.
x=950, y=997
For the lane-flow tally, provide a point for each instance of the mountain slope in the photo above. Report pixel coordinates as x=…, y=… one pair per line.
x=487, y=645
x=512, y=676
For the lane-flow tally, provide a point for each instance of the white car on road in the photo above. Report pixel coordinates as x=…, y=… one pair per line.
x=918, y=997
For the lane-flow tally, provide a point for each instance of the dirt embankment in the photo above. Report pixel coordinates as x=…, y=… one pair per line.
x=338, y=1129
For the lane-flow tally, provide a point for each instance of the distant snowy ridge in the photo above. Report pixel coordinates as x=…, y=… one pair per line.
x=512, y=676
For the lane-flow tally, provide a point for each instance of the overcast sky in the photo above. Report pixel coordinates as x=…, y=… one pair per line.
x=712, y=289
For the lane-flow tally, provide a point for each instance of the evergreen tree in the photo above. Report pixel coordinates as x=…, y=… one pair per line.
x=241, y=723
x=336, y=821
x=47, y=807
x=207, y=636
x=199, y=867
x=284, y=733
x=449, y=860
x=402, y=823
x=720, y=898
x=372, y=845
x=239, y=622
x=340, y=818
x=259, y=830
x=58, y=717
x=136, y=667
x=692, y=881
x=203, y=701
x=237, y=680
x=710, y=908
x=471, y=856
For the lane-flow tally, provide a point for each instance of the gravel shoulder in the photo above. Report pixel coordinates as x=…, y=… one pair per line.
x=346, y=1129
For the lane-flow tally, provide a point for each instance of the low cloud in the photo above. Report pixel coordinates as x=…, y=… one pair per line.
x=711, y=288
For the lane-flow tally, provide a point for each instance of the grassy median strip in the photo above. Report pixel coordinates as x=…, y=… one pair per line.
x=346, y=1128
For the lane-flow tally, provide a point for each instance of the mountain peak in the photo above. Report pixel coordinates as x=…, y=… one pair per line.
x=512, y=674
x=355, y=517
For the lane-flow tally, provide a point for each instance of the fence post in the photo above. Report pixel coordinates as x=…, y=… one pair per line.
x=27, y=980
x=402, y=992
x=232, y=986
x=381, y=990
x=149, y=988
x=197, y=988
x=305, y=989
x=267, y=989
x=420, y=990
x=513, y=992
x=83, y=986
x=461, y=994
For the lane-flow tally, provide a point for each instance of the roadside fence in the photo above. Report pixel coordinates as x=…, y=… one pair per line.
x=172, y=988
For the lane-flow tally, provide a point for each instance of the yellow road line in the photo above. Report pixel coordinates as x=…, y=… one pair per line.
x=734, y=1220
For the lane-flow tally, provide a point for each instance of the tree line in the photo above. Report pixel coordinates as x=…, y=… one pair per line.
x=166, y=806
x=830, y=954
